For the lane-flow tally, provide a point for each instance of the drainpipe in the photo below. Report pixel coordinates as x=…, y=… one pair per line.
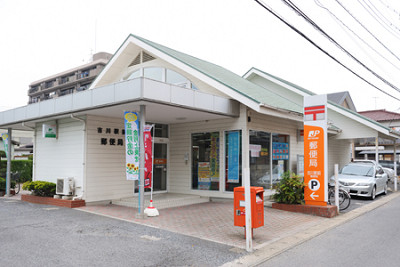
x=84, y=157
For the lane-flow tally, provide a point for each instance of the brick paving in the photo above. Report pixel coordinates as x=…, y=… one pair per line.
x=214, y=221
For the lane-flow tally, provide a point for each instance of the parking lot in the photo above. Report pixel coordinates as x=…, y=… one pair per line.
x=357, y=202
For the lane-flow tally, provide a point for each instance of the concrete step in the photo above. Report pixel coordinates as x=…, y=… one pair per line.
x=163, y=202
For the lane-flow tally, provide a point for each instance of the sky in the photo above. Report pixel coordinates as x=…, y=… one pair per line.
x=44, y=37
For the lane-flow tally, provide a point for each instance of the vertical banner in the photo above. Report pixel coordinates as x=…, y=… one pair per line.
x=4, y=136
x=233, y=157
x=132, y=145
x=214, y=157
x=315, y=150
x=204, y=180
x=148, y=156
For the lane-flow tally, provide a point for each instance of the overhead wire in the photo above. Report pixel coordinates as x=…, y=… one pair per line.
x=383, y=17
x=309, y=20
x=390, y=8
x=378, y=19
x=355, y=34
x=365, y=28
x=274, y=13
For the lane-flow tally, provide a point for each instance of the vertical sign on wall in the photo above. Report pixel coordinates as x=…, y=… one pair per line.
x=148, y=156
x=4, y=136
x=315, y=150
x=214, y=157
x=132, y=145
x=233, y=157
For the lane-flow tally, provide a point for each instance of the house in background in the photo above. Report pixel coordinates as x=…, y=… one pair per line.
x=210, y=126
x=343, y=99
x=389, y=119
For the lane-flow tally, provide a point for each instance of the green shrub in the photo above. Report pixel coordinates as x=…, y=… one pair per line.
x=40, y=188
x=23, y=167
x=3, y=184
x=290, y=189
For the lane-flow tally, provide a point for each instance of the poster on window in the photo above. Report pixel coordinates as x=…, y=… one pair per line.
x=233, y=157
x=132, y=145
x=214, y=157
x=148, y=156
x=204, y=180
x=280, y=150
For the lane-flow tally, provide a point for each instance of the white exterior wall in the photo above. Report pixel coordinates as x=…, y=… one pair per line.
x=105, y=164
x=260, y=122
x=62, y=157
x=339, y=153
x=179, y=173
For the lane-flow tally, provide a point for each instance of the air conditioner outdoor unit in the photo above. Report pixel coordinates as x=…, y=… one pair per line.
x=65, y=186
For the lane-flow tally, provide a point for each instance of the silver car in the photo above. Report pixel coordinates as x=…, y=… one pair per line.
x=363, y=178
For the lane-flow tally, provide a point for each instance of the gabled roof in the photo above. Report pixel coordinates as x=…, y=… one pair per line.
x=381, y=115
x=331, y=104
x=234, y=85
x=343, y=99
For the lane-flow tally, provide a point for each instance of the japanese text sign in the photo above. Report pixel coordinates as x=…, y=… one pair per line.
x=132, y=145
x=315, y=150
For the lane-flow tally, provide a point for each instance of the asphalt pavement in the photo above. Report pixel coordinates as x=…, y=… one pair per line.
x=371, y=239
x=41, y=235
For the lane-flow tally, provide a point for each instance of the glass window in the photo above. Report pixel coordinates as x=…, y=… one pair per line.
x=174, y=77
x=134, y=75
x=260, y=159
x=205, y=161
x=153, y=73
x=233, y=160
x=280, y=156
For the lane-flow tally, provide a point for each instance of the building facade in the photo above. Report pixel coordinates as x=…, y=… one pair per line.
x=212, y=126
x=68, y=82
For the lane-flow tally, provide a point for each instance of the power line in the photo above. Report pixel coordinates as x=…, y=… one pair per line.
x=378, y=18
x=390, y=8
x=320, y=48
x=384, y=18
x=365, y=28
x=348, y=28
x=304, y=16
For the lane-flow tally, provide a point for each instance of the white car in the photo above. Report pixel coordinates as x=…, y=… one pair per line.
x=363, y=178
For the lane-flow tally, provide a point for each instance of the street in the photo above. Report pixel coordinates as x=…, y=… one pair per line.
x=40, y=235
x=368, y=240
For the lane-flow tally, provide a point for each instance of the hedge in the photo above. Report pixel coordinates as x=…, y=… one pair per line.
x=40, y=188
x=24, y=167
x=3, y=184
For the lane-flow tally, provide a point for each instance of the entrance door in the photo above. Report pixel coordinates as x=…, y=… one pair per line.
x=160, y=167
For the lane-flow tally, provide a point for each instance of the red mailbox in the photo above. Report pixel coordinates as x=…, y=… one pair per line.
x=257, y=206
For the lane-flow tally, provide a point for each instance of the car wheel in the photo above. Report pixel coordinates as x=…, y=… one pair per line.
x=385, y=190
x=373, y=193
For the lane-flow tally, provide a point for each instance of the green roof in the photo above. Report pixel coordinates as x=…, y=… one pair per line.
x=329, y=101
x=235, y=82
x=283, y=81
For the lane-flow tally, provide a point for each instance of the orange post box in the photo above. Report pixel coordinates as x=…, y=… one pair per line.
x=257, y=206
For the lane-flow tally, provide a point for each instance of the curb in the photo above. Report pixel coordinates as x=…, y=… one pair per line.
x=271, y=250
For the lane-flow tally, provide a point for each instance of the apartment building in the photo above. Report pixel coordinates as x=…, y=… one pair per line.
x=67, y=82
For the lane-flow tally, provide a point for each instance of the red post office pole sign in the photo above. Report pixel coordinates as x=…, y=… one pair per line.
x=315, y=150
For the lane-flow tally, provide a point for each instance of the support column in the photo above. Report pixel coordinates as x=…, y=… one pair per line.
x=142, y=120
x=376, y=149
x=395, y=166
x=246, y=182
x=8, y=176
